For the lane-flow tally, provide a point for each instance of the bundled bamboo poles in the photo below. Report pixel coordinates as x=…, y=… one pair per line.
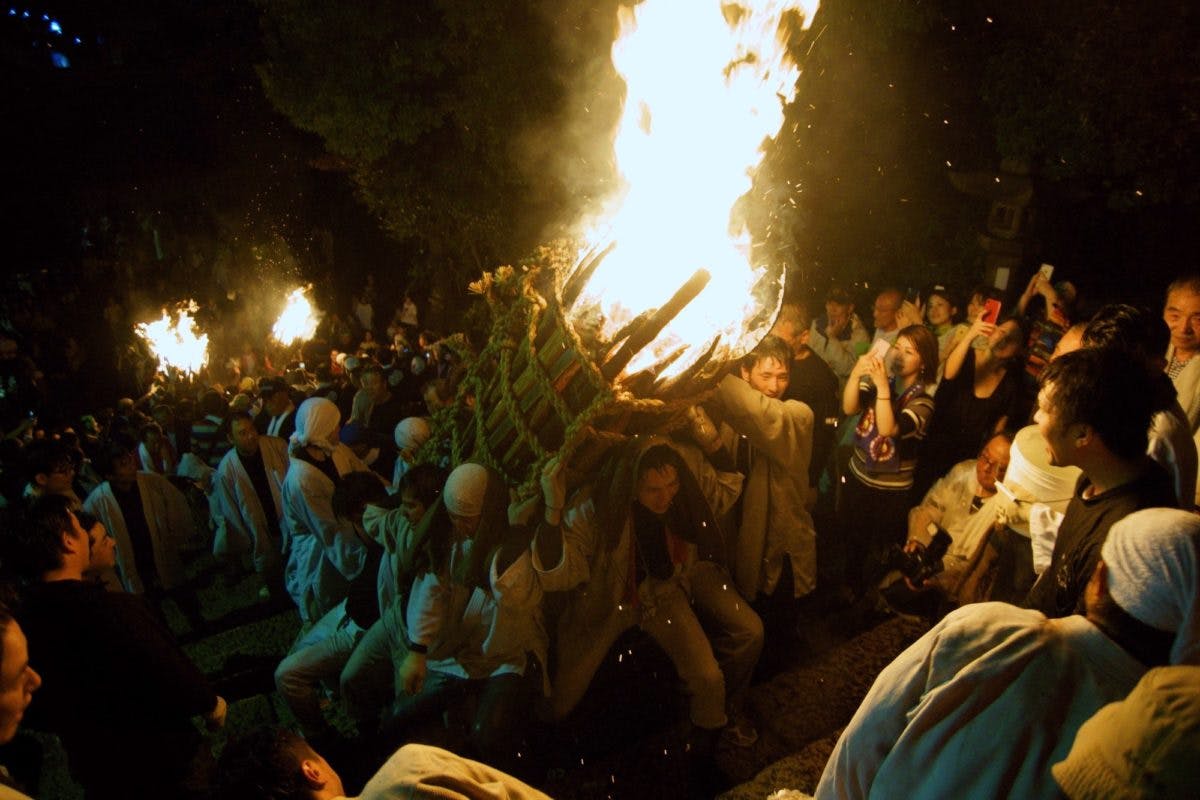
x=540, y=387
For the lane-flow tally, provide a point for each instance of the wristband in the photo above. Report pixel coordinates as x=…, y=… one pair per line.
x=419, y=649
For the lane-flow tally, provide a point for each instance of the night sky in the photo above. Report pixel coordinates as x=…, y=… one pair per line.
x=123, y=112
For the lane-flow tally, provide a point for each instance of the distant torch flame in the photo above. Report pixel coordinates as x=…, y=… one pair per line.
x=297, y=322
x=176, y=340
x=706, y=86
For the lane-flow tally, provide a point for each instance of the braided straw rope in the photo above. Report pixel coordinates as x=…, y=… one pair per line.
x=489, y=380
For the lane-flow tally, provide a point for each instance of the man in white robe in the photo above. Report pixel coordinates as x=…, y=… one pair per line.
x=325, y=553
x=167, y=517
x=991, y=697
x=248, y=489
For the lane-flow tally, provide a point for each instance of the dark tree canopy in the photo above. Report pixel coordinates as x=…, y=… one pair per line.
x=450, y=115
x=1099, y=101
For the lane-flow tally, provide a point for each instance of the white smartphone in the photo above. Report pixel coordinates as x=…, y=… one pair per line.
x=879, y=349
x=1046, y=271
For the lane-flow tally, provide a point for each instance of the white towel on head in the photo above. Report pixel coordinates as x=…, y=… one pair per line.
x=1152, y=559
x=317, y=422
x=412, y=432
x=465, y=489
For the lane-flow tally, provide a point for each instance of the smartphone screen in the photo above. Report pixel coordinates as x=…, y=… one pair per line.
x=991, y=311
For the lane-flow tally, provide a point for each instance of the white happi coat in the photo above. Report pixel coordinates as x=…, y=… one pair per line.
x=324, y=553
x=476, y=633
x=169, y=519
x=239, y=504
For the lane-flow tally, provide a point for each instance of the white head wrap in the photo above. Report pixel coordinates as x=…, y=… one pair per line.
x=317, y=424
x=1151, y=556
x=412, y=432
x=464, y=490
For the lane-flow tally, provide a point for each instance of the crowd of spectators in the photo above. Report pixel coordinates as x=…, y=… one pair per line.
x=958, y=464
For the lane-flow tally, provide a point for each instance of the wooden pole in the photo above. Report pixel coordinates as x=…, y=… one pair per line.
x=579, y=278
x=646, y=333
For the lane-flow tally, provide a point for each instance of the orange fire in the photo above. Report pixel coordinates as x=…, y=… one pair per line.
x=298, y=320
x=706, y=85
x=176, y=340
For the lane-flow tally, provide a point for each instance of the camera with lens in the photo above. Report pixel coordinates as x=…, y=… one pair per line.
x=923, y=563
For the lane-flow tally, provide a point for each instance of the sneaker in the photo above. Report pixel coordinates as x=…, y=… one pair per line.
x=740, y=732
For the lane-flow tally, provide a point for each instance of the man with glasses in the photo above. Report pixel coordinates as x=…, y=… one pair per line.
x=51, y=470
x=952, y=500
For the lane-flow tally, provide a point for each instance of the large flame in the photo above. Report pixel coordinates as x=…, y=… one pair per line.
x=706, y=85
x=298, y=320
x=176, y=340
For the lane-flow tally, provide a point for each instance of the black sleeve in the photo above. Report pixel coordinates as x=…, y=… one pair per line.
x=169, y=682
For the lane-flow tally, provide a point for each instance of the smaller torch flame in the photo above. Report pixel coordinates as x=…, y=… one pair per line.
x=298, y=320
x=176, y=342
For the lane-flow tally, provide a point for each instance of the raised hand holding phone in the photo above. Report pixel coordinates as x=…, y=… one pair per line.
x=991, y=311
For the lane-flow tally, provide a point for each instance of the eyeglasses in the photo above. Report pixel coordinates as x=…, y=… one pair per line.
x=992, y=466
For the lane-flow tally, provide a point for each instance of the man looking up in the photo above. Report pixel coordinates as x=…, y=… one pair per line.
x=119, y=692
x=1094, y=413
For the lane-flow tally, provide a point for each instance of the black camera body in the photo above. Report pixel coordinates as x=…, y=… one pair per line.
x=925, y=562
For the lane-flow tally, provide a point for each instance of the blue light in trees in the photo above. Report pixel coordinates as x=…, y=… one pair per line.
x=78, y=40
x=60, y=61
x=55, y=27
x=25, y=14
x=12, y=12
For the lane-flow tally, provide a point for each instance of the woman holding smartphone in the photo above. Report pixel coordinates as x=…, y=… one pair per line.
x=983, y=391
x=895, y=413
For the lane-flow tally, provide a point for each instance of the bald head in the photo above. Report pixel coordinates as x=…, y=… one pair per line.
x=887, y=303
